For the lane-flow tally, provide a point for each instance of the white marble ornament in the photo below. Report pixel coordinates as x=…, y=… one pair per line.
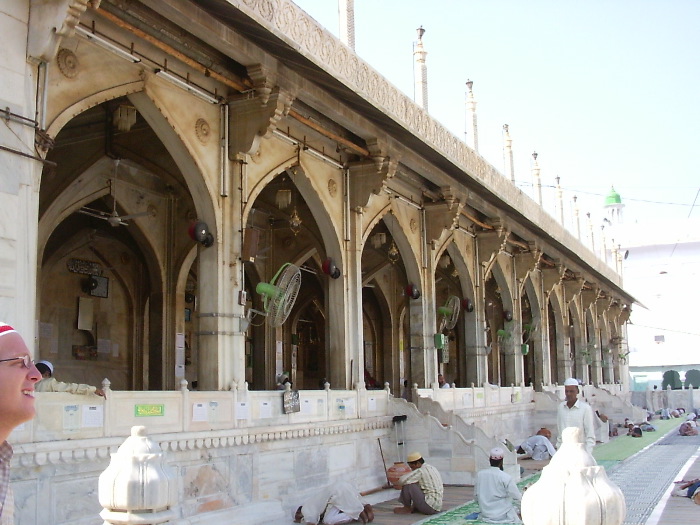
x=573, y=490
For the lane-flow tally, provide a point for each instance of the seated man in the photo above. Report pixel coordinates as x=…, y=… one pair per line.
x=334, y=505
x=421, y=489
x=49, y=383
x=496, y=492
x=537, y=447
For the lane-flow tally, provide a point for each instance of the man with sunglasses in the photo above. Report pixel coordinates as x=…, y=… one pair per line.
x=17, y=378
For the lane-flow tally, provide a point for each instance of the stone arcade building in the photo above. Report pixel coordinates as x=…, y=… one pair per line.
x=126, y=122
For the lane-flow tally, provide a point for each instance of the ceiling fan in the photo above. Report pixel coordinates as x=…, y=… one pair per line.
x=113, y=218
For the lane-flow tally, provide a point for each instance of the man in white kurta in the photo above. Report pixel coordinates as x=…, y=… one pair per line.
x=574, y=412
x=496, y=492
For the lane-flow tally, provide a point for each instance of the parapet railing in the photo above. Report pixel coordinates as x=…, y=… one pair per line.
x=62, y=416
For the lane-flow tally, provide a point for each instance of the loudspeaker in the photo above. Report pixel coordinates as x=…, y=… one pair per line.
x=330, y=269
x=199, y=231
x=412, y=291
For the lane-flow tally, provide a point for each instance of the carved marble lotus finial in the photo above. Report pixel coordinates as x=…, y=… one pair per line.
x=573, y=490
x=137, y=486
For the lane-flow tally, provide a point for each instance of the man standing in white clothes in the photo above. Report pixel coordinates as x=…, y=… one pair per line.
x=574, y=412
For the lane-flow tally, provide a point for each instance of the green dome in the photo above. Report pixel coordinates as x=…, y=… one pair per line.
x=613, y=198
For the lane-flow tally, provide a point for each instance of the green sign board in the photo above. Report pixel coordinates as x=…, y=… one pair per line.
x=149, y=410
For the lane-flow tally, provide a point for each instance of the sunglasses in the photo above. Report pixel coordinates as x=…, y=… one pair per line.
x=26, y=360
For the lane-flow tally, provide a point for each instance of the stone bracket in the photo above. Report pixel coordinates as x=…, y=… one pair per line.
x=264, y=82
x=369, y=178
x=588, y=297
x=552, y=277
x=251, y=120
x=491, y=244
x=602, y=303
x=50, y=22
x=440, y=216
x=525, y=263
x=572, y=287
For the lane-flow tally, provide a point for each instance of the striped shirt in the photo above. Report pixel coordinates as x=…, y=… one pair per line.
x=7, y=507
x=430, y=483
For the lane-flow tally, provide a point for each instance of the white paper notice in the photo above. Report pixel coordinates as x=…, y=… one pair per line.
x=71, y=417
x=104, y=346
x=372, y=404
x=242, y=410
x=265, y=409
x=199, y=412
x=350, y=406
x=306, y=406
x=179, y=370
x=180, y=340
x=93, y=416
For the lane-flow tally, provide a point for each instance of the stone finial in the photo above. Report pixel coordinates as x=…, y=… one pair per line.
x=137, y=486
x=573, y=489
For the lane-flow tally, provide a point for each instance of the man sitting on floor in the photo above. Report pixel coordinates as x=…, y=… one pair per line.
x=334, y=505
x=496, y=492
x=421, y=489
x=537, y=447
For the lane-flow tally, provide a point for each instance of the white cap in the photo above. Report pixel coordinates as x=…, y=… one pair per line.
x=48, y=365
x=496, y=453
x=571, y=382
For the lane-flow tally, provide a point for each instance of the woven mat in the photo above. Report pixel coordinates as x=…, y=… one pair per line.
x=456, y=516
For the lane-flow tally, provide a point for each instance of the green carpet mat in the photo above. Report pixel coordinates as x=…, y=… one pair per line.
x=607, y=455
x=625, y=446
x=456, y=515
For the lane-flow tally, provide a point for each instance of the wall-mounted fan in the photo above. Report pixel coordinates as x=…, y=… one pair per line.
x=449, y=313
x=113, y=218
x=280, y=293
x=529, y=330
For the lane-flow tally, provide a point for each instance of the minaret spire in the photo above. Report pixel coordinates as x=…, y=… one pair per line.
x=346, y=17
x=471, y=115
x=420, y=71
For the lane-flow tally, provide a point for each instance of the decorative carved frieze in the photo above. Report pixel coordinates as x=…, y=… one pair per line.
x=251, y=121
x=50, y=22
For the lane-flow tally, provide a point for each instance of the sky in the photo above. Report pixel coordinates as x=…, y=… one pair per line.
x=606, y=92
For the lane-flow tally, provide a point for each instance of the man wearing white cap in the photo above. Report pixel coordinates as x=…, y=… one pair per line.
x=421, y=489
x=17, y=378
x=574, y=412
x=496, y=492
x=49, y=383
